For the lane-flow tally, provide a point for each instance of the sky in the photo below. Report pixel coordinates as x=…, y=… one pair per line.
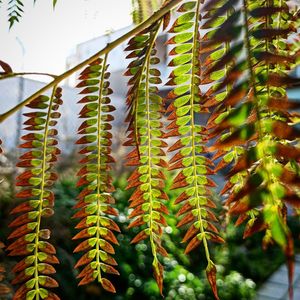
x=45, y=37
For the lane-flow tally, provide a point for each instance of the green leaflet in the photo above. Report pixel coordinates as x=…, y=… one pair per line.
x=187, y=6
x=186, y=17
x=181, y=49
x=181, y=90
x=180, y=60
x=181, y=28
x=182, y=79
x=180, y=101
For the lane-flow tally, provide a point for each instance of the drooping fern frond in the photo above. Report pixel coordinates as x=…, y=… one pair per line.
x=95, y=200
x=219, y=59
x=145, y=133
x=190, y=157
x=38, y=201
x=15, y=11
x=262, y=180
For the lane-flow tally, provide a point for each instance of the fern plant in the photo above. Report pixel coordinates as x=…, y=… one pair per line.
x=230, y=65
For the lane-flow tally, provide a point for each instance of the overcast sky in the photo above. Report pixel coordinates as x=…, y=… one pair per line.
x=50, y=36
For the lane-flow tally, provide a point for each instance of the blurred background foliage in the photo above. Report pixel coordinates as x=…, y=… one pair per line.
x=242, y=265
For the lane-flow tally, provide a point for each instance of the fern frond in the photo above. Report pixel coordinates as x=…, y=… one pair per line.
x=15, y=11
x=95, y=200
x=36, y=182
x=190, y=158
x=262, y=180
x=145, y=132
x=218, y=63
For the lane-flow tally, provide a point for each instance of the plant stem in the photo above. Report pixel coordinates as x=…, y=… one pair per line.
x=15, y=74
x=99, y=173
x=150, y=167
x=193, y=132
x=42, y=195
x=156, y=16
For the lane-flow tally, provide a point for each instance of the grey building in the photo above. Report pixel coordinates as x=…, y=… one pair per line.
x=13, y=90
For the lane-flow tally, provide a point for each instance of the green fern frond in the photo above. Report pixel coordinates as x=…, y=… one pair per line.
x=185, y=109
x=15, y=11
x=95, y=200
x=36, y=180
x=145, y=132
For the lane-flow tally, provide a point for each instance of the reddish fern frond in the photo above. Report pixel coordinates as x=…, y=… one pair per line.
x=145, y=111
x=190, y=156
x=222, y=70
x=219, y=61
x=95, y=200
x=262, y=180
x=38, y=201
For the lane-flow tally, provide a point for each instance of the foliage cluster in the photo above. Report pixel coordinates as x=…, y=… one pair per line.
x=239, y=265
x=230, y=62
